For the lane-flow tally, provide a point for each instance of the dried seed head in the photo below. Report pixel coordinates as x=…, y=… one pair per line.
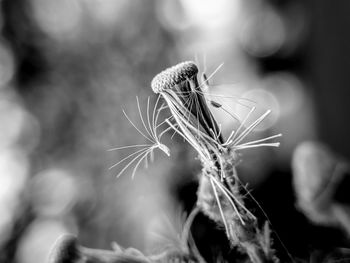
x=180, y=88
x=175, y=75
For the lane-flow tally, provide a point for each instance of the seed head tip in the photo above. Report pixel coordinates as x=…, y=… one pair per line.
x=173, y=76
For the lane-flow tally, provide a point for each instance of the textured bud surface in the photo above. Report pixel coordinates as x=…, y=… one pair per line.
x=64, y=250
x=173, y=76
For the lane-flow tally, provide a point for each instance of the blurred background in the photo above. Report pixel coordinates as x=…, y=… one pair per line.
x=69, y=67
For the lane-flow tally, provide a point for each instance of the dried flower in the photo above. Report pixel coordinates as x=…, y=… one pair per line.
x=219, y=194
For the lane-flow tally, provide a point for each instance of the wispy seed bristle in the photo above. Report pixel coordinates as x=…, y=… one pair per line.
x=173, y=76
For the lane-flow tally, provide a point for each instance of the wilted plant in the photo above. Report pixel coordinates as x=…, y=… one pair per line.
x=220, y=193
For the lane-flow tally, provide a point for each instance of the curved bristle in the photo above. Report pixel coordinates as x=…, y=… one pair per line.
x=173, y=76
